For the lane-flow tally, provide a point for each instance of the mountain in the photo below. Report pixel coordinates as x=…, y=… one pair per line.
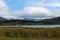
x=1, y=18
x=55, y=20
x=29, y=21
x=32, y=19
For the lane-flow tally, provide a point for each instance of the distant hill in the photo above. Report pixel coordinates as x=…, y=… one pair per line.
x=1, y=18
x=32, y=19
x=4, y=21
x=55, y=20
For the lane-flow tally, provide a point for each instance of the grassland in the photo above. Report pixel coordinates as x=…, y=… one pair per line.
x=20, y=33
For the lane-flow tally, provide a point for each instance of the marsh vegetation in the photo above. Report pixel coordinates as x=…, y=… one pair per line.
x=20, y=33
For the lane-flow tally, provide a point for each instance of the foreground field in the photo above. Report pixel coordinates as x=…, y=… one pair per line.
x=20, y=33
x=28, y=39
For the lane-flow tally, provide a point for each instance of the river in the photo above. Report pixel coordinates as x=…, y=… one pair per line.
x=41, y=26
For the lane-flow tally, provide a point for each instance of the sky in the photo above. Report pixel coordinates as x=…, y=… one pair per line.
x=29, y=8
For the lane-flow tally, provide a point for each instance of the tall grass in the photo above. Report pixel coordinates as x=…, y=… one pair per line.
x=19, y=33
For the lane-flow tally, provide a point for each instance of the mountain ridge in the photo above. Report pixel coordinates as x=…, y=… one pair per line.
x=50, y=21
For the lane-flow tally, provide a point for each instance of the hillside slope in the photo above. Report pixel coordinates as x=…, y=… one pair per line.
x=4, y=21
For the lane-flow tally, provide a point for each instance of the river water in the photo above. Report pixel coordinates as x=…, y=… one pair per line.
x=41, y=26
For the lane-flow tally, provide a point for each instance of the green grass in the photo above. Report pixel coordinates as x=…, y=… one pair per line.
x=6, y=38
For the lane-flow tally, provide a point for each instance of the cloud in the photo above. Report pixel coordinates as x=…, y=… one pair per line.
x=49, y=3
x=36, y=11
x=33, y=12
x=4, y=10
x=56, y=13
x=53, y=5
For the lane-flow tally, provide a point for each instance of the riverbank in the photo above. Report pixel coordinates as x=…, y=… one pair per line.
x=32, y=26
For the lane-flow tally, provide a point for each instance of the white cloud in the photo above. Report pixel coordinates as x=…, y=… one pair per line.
x=52, y=4
x=37, y=11
x=49, y=3
x=33, y=12
x=4, y=10
x=56, y=13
